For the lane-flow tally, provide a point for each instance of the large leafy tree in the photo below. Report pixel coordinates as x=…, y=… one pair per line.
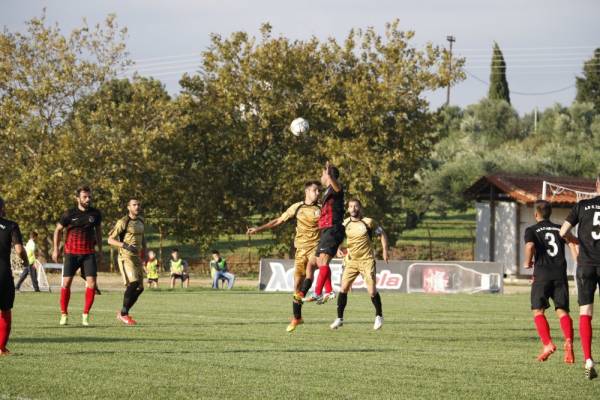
x=364, y=99
x=43, y=73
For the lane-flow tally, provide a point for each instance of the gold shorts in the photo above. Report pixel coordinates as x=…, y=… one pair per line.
x=301, y=260
x=131, y=269
x=352, y=268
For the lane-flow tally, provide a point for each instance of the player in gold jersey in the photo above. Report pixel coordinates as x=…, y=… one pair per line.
x=360, y=260
x=307, y=215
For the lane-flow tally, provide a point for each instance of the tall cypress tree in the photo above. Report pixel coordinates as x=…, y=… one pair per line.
x=498, y=84
x=588, y=87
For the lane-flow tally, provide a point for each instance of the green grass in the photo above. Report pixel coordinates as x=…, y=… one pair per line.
x=219, y=345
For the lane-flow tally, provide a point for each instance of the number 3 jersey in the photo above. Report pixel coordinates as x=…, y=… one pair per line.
x=550, y=262
x=586, y=214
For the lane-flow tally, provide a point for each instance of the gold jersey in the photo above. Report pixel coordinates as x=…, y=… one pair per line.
x=130, y=231
x=359, y=238
x=307, y=223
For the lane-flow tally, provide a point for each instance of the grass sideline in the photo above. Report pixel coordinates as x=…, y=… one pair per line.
x=232, y=344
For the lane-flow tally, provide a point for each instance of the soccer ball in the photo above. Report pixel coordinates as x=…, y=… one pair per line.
x=299, y=126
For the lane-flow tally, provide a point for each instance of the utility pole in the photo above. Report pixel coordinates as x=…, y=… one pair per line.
x=450, y=39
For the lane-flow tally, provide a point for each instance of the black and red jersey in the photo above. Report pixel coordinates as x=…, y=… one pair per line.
x=550, y=262
x=332, y=209
x=81, y=230
x=586, y=215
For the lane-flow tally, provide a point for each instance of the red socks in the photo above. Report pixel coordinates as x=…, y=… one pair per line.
x=5, y=322
x=566, y=325
x=585, y=333
x=543, y=329
x=324, y=279
x=65, y=296
x=90, y=293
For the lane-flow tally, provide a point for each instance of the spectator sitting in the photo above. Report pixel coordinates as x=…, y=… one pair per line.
x=219, y=265
x=179, y=269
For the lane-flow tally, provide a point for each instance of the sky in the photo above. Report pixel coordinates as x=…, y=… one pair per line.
x=544, y=42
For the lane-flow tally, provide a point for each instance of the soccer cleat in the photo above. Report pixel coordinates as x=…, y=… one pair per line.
x=126, y=319
x=546, y=352
x=317, y=298
x=299, y=297
x=569, y=355
x=339, y=322
x=378, y=322
x=590, y=371
x=64, y=319
x=97, y=290
x=327, y=297
x=294, y=324
x=4, y=352
x=85, y=319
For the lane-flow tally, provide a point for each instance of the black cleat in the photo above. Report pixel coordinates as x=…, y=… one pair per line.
x=590, y=373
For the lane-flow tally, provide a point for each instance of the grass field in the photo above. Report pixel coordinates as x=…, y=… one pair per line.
x=219, y=345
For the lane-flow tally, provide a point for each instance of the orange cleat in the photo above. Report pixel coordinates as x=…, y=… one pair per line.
x=546, y=352
x=294, y=324
x=569, y=355
x=126, y=319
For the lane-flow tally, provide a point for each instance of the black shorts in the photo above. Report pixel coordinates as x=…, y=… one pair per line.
x=87, y=263
x=556, y=289
x=183, y=277
x=7, y=289
x=588, y=279
x=330, y=240
x=153, y=280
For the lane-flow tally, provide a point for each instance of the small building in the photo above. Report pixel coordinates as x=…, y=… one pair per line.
x=504, y=208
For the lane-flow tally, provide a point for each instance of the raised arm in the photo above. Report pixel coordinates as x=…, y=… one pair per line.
x=334, y=182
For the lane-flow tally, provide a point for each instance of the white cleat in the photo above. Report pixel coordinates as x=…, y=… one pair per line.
x=378, y=323
x=64, y=319
x=339, y=322
x=590, y=371
x=328, y=296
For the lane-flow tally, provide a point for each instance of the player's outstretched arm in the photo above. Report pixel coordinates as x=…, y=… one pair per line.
x=529, y=252
x=56, y=241
x=565, y=229
x=269, y=225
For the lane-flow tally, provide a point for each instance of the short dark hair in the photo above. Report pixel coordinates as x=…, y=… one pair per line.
x=83, y=188
x=33, y=234
x=310, y=183
x=335, y=172
x=174, y=250
x=543, y=208
x=355, y=200
x=215, y=251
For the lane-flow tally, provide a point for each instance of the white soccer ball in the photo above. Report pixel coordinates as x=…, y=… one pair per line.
x=299, y=126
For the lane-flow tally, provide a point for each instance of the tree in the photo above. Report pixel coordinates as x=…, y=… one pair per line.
x=364, y=100
x=498, y=84
x=42, y=75
x=588, y=86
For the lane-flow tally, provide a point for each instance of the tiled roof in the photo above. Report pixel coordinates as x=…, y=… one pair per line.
x=527, y=189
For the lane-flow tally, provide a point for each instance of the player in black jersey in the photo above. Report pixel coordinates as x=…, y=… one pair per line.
x=10, y=236
x=586, y=216
x=544, y=243
x=331, y=224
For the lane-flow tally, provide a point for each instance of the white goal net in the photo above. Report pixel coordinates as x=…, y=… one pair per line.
x=549, y=190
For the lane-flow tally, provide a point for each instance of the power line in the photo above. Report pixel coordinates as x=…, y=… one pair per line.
x=522, y=93
x=533, y=48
